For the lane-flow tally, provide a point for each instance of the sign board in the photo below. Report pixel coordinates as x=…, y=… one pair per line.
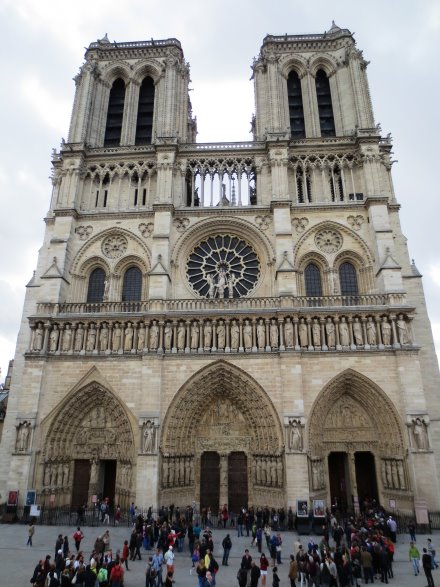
x=94, y=498
x=13, y=498
x=319, y=508
x=421, y=508
x=52, y=498
x=31, y=497
x=302, y=510
x=35, y=511
x=392, y=504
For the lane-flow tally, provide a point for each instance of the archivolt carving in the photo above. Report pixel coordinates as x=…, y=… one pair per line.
x=91, y=424
x=364, y=251
x=353, y=410
x=224, y=405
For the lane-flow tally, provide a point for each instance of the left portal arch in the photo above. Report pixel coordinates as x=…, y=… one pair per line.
x=222, y=409
x=88, y=441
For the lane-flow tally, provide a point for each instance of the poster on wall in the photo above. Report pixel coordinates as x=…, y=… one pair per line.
x=35, y=511
x=302, y=510
x=319, y=508
x=31, y=497
x=13, y=498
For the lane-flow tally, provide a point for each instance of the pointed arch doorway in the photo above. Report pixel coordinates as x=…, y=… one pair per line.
x=357, y=450
x=222, y=411
x=89, y=449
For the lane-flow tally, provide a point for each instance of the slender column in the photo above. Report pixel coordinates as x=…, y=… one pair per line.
x=200, y=350
x=228, y=346
x=46, y=338
x=202, y=189
x=281, y=333
x=72, y=344
x=60, y=340
x=324, y=347
x=309, y=334
x=95, y=350
x=240, y=324
x=211, y=198
x=214, y=336
x=254, y=336
x=239, y=174
x=174, y=347
x=267, y=324
x=223, y=479
x=336, y=323
x=160, y=346
x=396, y=343
x=31, y=344
x=295, y=332
x=378, y=333
x=147, y=334
x=188, y=336
x=192, y=190
x=135, y=338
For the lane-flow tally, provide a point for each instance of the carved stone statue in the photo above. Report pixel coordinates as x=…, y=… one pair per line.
x=402, y=330
x=247, y=335
x=261, y=334
x=38, y=338
x=231, y=282
x=53, y=339
x=117, y=338
x=165, y=472
x=106, y=289
x=295, y=435
x=154, y=336
x=66, y=474
x=344, y=336
x=93, y=471
x=79, y=338
x=221, y=334
x=47, y=475
x=149, y=437
x=258, y=471
x=273, y=333
x=388, y=473
x=128, y=338
x=371, y=331
x=302, y=332
x=221, y=283
x=386, y=331
x=279, y=472
x=357, y=332
x=141, y=337
x=171, y=473
x=194, y=336
x=211, y=285
x=182, y=470
x=394, y=475
x=273, y=473
x=420, y=434
x=401, y=475
x=103, y=338
x=330, y=332
x=316, y=332
x=23, y=434
x=315, y=475
x=67, y=339
x=288, y=333
x=181, y=336
x=167, y=336
x=207, y=335
x=384, y=473
x=235, y=335
x=91, y=338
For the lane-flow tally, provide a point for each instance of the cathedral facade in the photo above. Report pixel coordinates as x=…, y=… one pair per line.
x=218, y=323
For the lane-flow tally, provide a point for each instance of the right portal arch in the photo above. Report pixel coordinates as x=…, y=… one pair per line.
x=355, y=432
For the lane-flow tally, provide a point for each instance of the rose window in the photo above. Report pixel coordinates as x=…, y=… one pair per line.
x=114, y=246
x=223, y=266
x=328, y=241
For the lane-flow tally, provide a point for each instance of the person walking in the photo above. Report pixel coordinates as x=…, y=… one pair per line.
x=264, y=565
x=77, y=537
x=431, y=551
x=117, y=575
x=414, y=557
x=227, y=545
x=427, y=564
x=293, y=570
x=31, y=532
x=255, y=574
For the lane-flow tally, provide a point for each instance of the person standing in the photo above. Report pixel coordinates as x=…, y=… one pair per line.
x=31, y=532
x=414, y=557
x=117, y=575
x=227, y=545
x=264, y=565
x=77, y=537
x=293, y=571
x=169, y=559
x=431, y=551
x=392, y=526
x=426, y=563
x=255, y=574
x=412, y=531
x=246, y=565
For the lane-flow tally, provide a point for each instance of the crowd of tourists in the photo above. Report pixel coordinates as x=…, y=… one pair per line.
x=347, y=551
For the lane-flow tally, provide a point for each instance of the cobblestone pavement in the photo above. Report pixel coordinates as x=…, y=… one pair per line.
x=17, y=561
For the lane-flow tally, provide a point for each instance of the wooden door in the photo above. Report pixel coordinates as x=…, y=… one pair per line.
x=237, y=481
x=81, y=480
x=210, y=481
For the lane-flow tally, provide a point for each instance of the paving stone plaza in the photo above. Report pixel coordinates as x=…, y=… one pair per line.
x=17, y=561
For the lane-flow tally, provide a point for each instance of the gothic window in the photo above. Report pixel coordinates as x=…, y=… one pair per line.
x=325, y=109
x=312, y=276
x=296, y=112
x=144, y=125
x=348, y=280
x=115, y=113
x=132, y=286
x=95, y=292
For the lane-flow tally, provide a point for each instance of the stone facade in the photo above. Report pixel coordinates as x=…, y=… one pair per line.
x=223, y=341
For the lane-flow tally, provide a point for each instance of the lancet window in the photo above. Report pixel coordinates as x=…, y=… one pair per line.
x=296, y=111
x=325, y=108
x=348, y=280
x=95, y=291
x=132, y=285
x=144, y=125
x=312, y=278
x=115, y=114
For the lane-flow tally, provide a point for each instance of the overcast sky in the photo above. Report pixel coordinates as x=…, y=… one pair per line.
x=43, y=46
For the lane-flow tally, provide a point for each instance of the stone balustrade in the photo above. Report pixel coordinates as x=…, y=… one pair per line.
x=202, y=304
x=268, y=332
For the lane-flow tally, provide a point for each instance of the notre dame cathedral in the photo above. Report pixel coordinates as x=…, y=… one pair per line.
x=217, y=323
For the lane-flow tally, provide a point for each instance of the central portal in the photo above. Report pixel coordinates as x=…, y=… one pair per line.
x=210, y=481
x=237, y=482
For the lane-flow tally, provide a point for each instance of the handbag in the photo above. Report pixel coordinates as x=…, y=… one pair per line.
x=73, y=581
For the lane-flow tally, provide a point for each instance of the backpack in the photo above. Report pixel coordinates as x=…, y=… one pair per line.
x=102, y=575
x=53, y=581
x=116, y=573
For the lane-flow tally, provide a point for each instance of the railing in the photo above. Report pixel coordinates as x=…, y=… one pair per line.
x=135, y=44
x=200, y=305
x=245, y=145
